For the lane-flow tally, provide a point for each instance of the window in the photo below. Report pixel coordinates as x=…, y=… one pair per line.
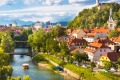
x=111, y=25
x=104, y=50
x=102, y=57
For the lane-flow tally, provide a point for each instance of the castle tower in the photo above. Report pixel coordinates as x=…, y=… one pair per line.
x=111, y=23
x=97, y=2
x=98, y=5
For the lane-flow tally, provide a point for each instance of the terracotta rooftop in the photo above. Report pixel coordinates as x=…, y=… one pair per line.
x=75, y=31
x=100, y=30
x=94, y=47
x=118, y=29
x=91, y=34
x=113, y=56
x=74, y=41
x=86, y=30
x=117, y=39
x=89, y=50
x=104, y=41
x=73, y=50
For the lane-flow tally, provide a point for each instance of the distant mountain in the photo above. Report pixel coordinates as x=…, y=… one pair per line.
x=28, y=23
x=19, y=22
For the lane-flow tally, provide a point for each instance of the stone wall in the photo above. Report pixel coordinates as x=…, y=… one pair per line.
x=67, y=71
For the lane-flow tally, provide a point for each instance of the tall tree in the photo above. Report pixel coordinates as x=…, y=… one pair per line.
x=37, y=40
x=57, y=31
x=7, y=43
x=52, y=46
x=92, y=64
x=64, y=49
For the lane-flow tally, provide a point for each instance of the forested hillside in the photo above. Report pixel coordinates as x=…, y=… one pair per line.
x=90, y=18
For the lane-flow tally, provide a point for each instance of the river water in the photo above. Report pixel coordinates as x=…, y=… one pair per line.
x=35, y=72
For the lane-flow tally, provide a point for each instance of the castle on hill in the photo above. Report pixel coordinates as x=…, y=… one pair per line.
x=100, y=5
x=111, y=22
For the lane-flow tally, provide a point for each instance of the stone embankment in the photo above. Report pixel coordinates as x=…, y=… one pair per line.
x=66, y=71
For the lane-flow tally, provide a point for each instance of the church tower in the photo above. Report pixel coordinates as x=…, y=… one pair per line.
x=111, y=23
x=110, y=16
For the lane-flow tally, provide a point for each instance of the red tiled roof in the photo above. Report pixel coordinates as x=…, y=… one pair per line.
x=101, y=30
x=104, y=41
x=118, y=29
x=75, y=31
x=91, y=34
x=89, y=50
x=96, y=46
x=73, y=41
x=86, y=30
x=117, y=39
x=113, y=56
x=74, y=50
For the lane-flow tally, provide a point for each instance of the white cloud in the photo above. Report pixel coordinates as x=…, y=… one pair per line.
x=75, y=1
x=34, y=19
x=4, y=2
x=43, y=2
x=44, y=13
x=28, y=2
x=50, y=2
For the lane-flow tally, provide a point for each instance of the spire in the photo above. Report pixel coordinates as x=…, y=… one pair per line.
x=110, y=16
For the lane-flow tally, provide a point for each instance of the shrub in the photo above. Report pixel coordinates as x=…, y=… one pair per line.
x=39, y=58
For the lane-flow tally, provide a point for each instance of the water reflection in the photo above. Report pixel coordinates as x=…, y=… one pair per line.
x=35, y=72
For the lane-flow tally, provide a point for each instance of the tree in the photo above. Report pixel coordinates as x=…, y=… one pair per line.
x=64, y=51
x=52, y=46
x=4, y=58
x=11, y=33
x=95, y=18
x=114, y=33
x=92, y=64
x=85, y=57
x=118, y=61
x=57, y=31
x=13, y=78
x=107, y=65
x=26, y=77
x=7, y=43
x=37, y=40
x=78, y=57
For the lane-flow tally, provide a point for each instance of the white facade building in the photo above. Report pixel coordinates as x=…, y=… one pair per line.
x=38, y=25
x=14, y=24
x=95, y=50
x=90, y=37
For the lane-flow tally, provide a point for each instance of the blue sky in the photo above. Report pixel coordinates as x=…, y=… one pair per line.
x=43, y=10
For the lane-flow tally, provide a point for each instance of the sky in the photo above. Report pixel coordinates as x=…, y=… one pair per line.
x=43, y=10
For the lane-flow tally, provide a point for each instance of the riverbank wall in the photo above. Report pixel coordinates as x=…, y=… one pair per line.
x=66, y=71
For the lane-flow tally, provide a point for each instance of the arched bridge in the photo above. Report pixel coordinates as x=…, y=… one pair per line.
x=22, y=51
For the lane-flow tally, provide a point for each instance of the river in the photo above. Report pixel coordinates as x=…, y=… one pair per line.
x=35, y=72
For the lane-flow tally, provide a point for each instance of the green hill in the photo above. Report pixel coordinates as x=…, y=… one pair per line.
x=90, y=18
